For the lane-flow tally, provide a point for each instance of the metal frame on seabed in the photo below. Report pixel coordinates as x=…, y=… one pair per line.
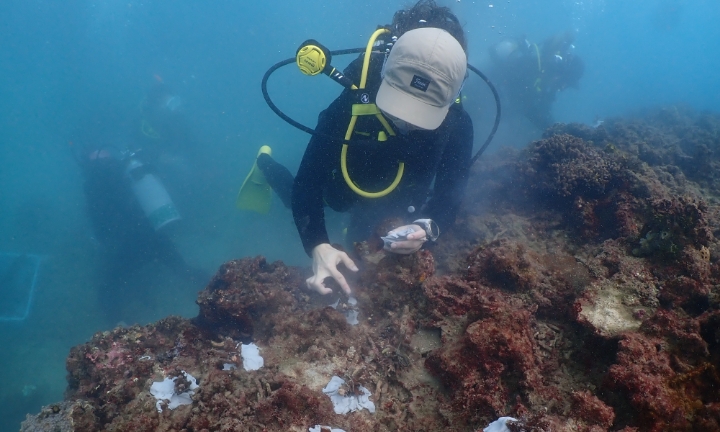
x=38, y=259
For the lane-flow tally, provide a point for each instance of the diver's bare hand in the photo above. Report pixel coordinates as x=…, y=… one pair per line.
x=325, y=261
x=413, y=242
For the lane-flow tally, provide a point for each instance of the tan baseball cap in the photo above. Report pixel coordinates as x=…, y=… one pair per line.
x=422, y=77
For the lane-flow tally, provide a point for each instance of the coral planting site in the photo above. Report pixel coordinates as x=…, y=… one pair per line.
x=578, y=291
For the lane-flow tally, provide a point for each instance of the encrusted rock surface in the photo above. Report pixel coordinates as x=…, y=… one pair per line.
x=579, y=291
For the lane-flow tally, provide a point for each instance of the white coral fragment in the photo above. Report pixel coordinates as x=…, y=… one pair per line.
x=165, y=390
x=499, y=425
x=319, y=428
x=349, y=309
x=251, y=357
x=345, y=403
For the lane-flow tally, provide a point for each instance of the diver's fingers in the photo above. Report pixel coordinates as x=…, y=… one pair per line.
x=314, y=284
x=407, y=246
x=417, y=235
x=348, y=262
x=340, y=280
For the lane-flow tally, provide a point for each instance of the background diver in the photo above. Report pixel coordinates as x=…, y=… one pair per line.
x=130, y=210
x=417, y=88
x=532, y=74
x=162, y=128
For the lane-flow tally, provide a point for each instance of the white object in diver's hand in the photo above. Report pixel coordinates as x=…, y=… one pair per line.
x=397, y=236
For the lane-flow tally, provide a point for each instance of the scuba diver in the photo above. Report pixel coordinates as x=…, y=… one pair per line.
x=131, y=214
x=532, y=74
x=399, y=144
x=161, y=127
x=161, y=124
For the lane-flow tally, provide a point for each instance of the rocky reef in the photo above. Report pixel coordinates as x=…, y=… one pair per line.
x=579, y=291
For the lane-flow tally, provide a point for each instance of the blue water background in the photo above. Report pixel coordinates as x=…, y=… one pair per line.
x=62, y=62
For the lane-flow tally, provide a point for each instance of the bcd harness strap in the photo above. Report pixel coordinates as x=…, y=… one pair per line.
x=368, y=109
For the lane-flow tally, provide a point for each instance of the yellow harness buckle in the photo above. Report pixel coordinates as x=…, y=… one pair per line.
x=365, y=109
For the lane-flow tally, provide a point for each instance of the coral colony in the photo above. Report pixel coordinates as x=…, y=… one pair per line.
x=578, y=291
x=165, y=390
x=348, y=397
x=251, y=357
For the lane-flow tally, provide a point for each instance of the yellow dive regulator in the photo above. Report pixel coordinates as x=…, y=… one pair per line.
x=312, y=58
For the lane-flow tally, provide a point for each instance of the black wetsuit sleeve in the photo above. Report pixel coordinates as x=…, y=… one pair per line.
x=310, y=183
x=321, y=157
x=452, y=174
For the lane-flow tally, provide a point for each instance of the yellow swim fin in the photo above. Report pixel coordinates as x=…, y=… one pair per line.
x=255, y=193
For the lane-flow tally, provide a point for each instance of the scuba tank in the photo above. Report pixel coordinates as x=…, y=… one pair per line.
x=151, y=194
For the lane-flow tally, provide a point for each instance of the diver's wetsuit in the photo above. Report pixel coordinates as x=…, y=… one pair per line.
x=127, y=238
x=533, y=74
x=443, y=155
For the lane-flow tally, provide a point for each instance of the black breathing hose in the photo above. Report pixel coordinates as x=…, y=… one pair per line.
x=311, y=131
x=497, y=113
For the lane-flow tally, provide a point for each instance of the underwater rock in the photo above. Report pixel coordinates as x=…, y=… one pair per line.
x=59, y=418
x=604, y=309
x=565, y=166
x=549, y=281
x=242, y=292
x=673, y=225
x=592, y=411
x=644, y=371
x=535, y=306
x=493, y=360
